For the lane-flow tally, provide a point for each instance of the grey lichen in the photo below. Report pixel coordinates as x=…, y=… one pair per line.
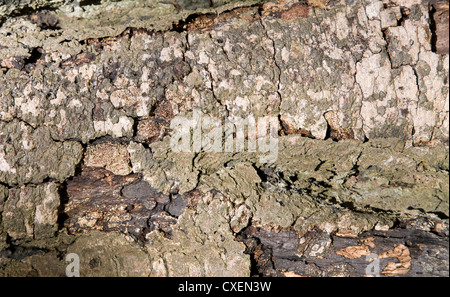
x=93, y=88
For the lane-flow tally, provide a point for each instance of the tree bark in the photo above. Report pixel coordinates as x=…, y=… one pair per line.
x=356, y=183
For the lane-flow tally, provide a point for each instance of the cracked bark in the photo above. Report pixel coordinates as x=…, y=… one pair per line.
x=86, y=166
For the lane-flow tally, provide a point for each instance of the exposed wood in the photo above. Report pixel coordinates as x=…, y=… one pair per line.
x=399, y=252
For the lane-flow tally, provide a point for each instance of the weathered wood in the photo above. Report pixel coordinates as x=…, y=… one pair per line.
x=97, y=199
x=398, y=252
x=100, y=200
x=440, y=25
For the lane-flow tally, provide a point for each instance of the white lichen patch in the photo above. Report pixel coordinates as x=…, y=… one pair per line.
x=373, y=74
x=4, y=165
x=47, y=210
x=120, y=128
x=27, y=141
x=131, y=97
x=29, y=105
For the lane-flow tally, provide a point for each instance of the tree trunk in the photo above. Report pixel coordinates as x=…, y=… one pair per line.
x=352, y=179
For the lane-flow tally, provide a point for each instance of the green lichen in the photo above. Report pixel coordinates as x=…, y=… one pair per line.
x=31, y=212
x=32, y=155
x=202, y=244
x=88, y=78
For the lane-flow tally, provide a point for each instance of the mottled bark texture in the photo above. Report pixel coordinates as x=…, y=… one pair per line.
x=88, y=90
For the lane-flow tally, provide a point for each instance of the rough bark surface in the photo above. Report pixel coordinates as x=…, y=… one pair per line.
x=88, y=90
